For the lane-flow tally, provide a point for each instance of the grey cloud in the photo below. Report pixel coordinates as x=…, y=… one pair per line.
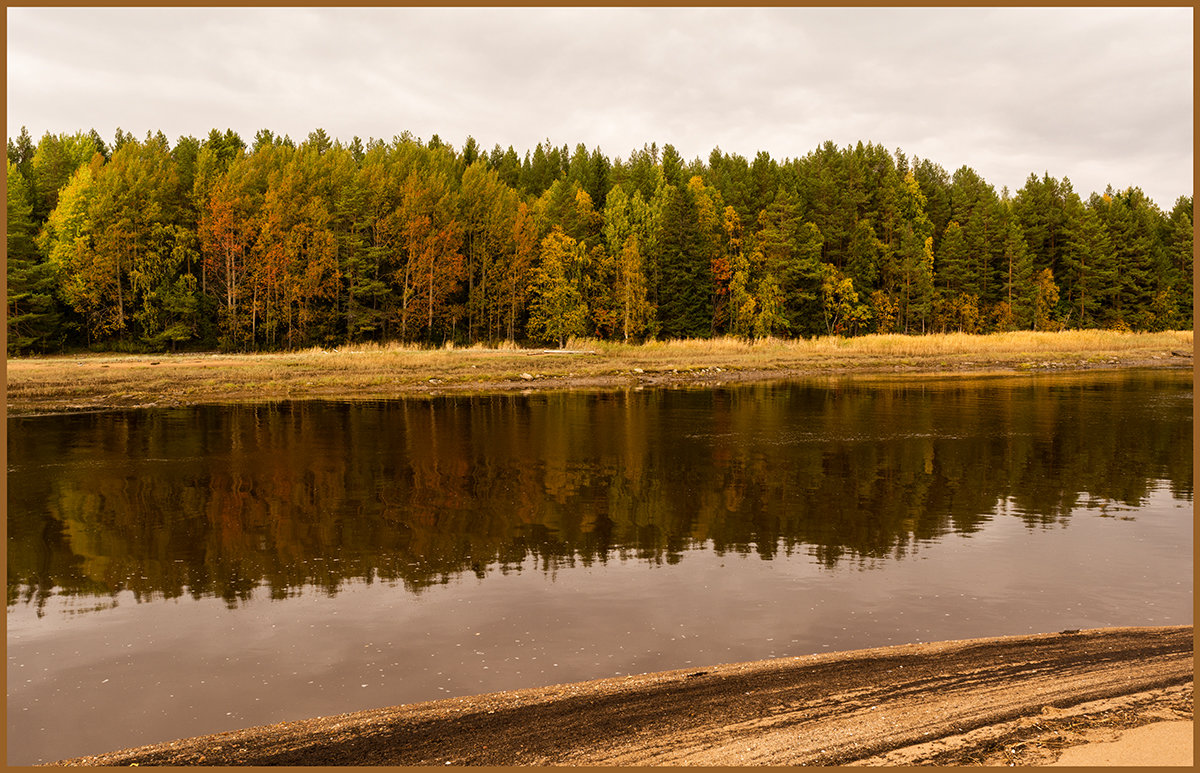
x=1096, y=95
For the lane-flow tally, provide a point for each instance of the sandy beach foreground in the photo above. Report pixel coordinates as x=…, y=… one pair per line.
x=1021, y=699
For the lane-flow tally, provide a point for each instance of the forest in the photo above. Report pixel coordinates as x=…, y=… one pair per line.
x=139, y=245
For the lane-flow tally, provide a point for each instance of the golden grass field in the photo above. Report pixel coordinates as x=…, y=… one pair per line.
x=91, y=381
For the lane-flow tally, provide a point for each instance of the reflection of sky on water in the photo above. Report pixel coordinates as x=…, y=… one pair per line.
x=188, y=666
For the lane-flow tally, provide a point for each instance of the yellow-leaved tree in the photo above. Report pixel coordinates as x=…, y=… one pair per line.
x=558, y=310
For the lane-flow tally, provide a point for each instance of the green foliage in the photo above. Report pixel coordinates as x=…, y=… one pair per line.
x=951, y=260
x=1017, y=312
x=679, y=275
x=1088, y=265
x=916, y=261
x=33, y=316
x=1178, y=251
x=52, y=164
x=211, y=242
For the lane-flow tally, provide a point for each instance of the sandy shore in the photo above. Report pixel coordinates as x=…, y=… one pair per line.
x=1008, y=700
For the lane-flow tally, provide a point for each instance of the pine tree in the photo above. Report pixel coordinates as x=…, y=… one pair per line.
x=1179, y=251
x=862, y=256
x=935, y=192
x=1131, y=230
x=951, y=261
x=1088, y=262
x=974, y=205
x=789, y=249
x=683, y=296
x=33, y=316
x=1019, y=291
x=20, y=153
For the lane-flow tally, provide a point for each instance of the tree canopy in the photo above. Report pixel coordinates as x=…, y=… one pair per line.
x=272, y=244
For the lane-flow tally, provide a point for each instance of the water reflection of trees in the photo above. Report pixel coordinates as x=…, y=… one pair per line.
x=224, y=500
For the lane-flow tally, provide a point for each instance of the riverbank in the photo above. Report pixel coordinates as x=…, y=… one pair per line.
x=1005, y=700
x=99, y=381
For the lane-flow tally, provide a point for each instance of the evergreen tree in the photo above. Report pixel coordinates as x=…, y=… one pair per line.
x=1088, y=264
x=862, y=256
x=672, y=167
x=1131, y=223
x=1019, y=303
x=20, y=153
x=951, y=261
x=831, y=192
x=710, y=240
x=598, y=178
x=916, y=257
x=679, y=271
x=33, y=317
x=470, y=151
x=99, y=145
x=1179, y=255
x=731, y=177
x=975, y=205
x=935, y=189
x=507, y=166
x=789, y=250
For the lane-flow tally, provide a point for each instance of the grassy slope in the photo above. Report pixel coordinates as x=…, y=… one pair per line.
x=99, y=381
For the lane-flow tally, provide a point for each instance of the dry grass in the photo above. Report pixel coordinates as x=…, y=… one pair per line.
x=385, y=370
x=908, y=345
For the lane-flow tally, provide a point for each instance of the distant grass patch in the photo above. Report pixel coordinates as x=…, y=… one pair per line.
x=390, y=369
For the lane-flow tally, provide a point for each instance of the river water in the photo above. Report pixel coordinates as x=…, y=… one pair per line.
x=187, y=571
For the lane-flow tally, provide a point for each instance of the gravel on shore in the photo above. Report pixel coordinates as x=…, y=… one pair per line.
x=1005, y=700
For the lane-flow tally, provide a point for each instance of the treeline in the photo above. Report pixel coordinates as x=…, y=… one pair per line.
x=273, y=245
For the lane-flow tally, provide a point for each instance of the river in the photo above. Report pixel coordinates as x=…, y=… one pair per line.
x=185, y=571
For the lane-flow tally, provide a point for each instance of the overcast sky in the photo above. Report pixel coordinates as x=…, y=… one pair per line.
x=1097, y=95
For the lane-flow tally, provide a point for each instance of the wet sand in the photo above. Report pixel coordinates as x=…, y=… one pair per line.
x=1006, y=700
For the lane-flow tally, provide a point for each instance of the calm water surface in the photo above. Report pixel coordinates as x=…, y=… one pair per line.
x=187, y=571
